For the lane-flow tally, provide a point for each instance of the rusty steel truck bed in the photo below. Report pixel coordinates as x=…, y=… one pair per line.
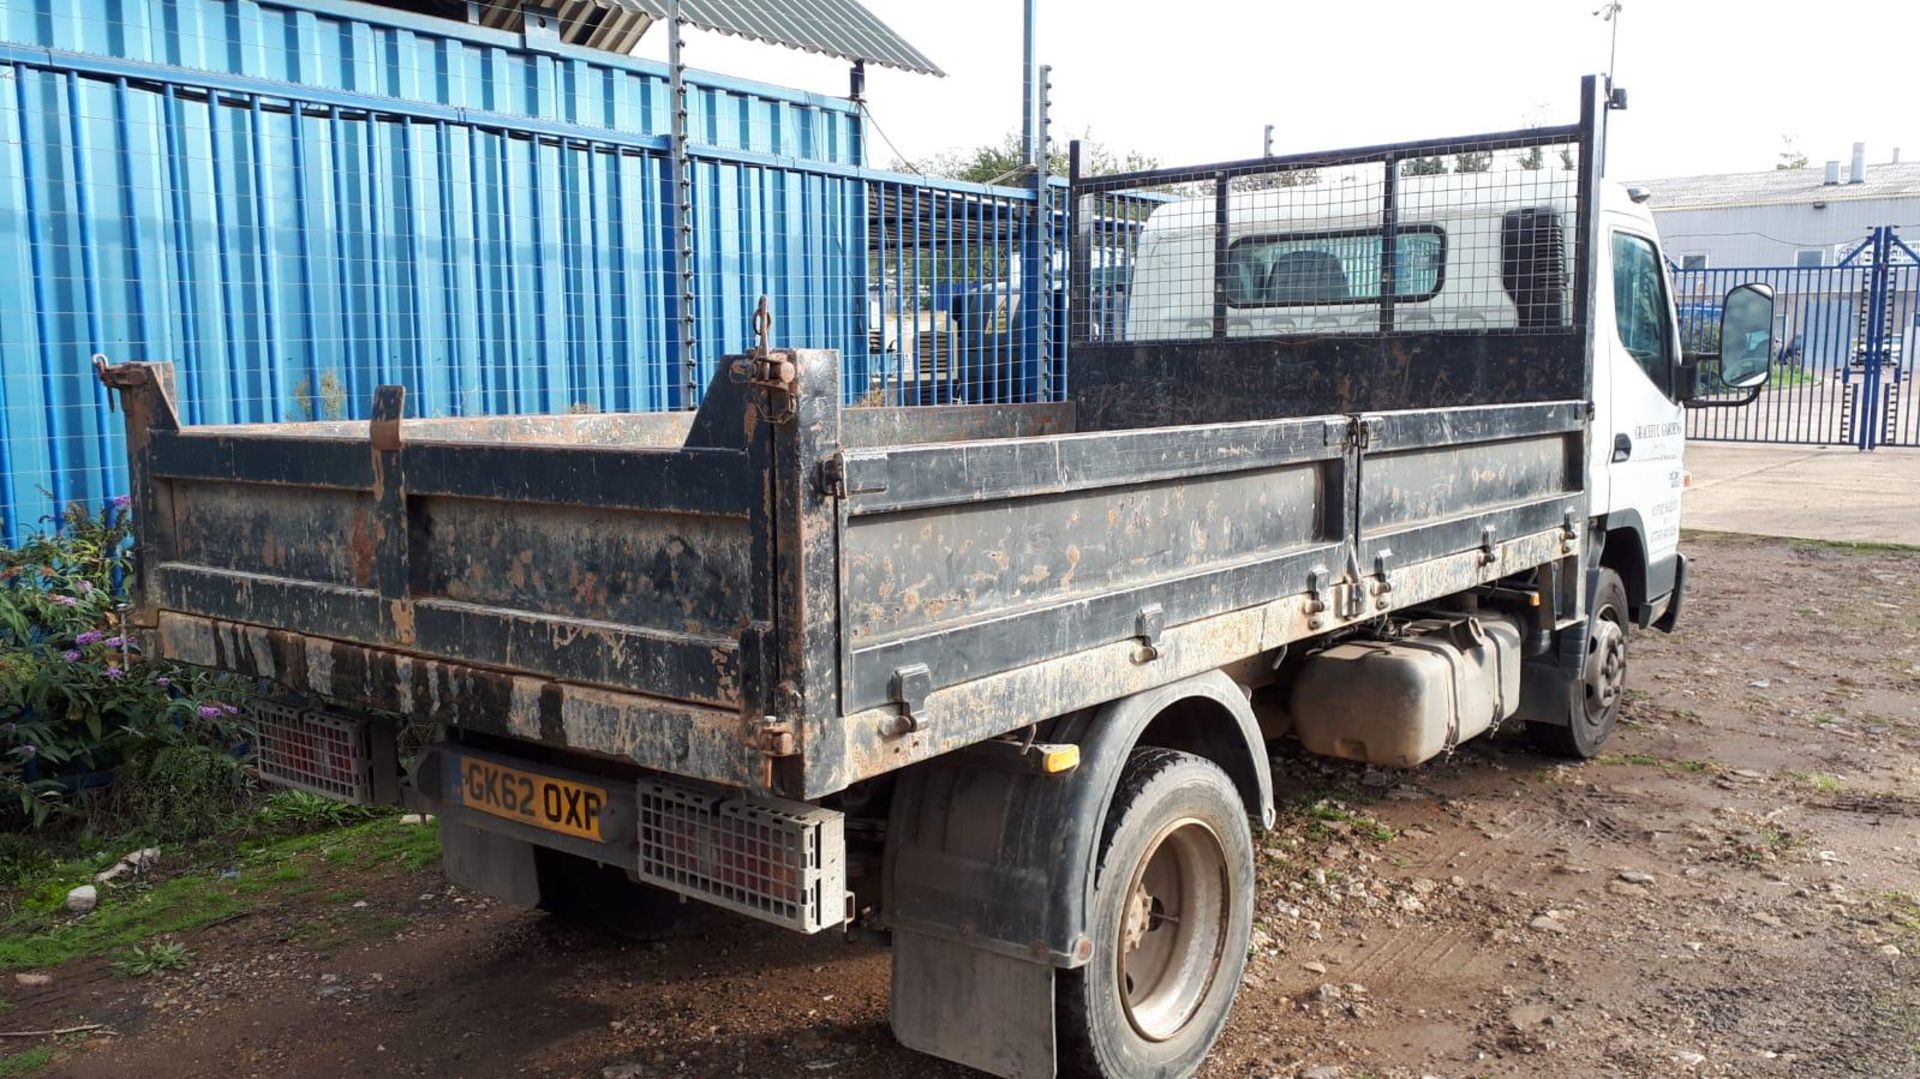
x=784, y=595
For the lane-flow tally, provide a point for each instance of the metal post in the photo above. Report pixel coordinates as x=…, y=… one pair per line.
x=1079, y=255
x=1875, y=343
x=1389, y=241
x=1266, y=142
x=681, y=208
x=1222, y=187
x=1043, y=219
x=1029, y=107
x=1033, y=242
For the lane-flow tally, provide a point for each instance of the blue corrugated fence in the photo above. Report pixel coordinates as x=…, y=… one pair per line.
x=298, y=201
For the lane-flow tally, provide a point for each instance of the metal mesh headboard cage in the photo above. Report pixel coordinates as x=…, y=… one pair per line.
x=1482, y=234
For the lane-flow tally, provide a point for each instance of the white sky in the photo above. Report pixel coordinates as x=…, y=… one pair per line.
x=1713, y=84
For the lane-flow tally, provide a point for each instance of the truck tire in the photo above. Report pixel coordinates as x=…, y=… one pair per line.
x=1593, y=699
x=1171, y=915
x=603, y=899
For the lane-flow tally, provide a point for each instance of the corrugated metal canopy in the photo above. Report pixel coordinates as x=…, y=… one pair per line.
x=840, y=28
x=612, y=25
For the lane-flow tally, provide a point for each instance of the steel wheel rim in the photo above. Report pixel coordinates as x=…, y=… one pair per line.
x=1606, y=673
x=1173, y=928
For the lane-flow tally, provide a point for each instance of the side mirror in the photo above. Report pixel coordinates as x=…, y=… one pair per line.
x=1745, y=357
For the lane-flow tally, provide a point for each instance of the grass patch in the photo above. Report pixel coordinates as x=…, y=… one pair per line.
x=36, y=932
x=1647, y=760
x=41, y=934
x=1819, y=781
x=1326, y=811
x=1904, y=911
x=26, y=1063
x=1853, y=546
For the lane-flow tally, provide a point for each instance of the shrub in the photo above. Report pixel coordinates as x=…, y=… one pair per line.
x=77, y=695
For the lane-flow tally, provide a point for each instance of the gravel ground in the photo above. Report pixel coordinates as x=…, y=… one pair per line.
x=1733, y=890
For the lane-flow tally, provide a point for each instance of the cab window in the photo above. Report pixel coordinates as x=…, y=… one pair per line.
x=1310, y=269
x=1640, y=309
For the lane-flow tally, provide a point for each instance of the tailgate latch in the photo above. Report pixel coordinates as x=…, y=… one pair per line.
x=909, y=689
x=769, y=368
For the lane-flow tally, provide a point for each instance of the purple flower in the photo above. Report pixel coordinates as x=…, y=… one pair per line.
x=230, y=710
x=121, y=502
x=28, y=750
x=115, y=642
x=91, y=636
x=163, y=681
x=70, y=656
x=66, y=601
x=83, y=587
x=116, y=673
x=209, y=711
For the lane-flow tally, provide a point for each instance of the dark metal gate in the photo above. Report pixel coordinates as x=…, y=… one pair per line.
x=1848, y=336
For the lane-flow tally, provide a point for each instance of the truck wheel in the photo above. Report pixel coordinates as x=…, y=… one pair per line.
x=1593, y=701
x=603, y=899
x=1172, y=911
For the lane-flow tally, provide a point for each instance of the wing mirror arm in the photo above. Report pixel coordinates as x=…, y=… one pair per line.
x=1690, y=386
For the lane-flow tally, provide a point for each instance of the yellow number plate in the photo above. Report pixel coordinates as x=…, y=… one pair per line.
x=557, y=805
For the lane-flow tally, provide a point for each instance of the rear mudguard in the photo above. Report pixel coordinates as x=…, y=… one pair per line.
x=1004, y=861
x=990, y=872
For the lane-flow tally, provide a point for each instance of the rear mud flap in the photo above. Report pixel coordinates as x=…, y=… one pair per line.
x=489, y=863
x=979, y=1008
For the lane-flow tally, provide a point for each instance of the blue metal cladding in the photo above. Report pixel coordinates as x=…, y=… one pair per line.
x=381, y=52
x=290, y=246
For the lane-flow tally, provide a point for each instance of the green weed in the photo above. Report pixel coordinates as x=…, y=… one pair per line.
x=300, y=810
x=156, y=958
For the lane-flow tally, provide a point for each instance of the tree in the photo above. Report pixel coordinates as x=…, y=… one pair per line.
x=1566, y=158
x=1423, y=166
x=1791, y=156
x=1533, y=160
x=1001, y=163
x=1473, y=161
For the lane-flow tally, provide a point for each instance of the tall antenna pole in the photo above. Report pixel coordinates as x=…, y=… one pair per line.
x=1610, y=13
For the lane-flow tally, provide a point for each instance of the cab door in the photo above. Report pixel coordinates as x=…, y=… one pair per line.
x=1644, y=437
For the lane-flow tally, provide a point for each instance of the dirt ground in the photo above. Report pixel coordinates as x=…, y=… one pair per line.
x=1733, y=890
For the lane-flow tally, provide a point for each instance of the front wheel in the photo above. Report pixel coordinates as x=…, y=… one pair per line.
x=1593, y=699
x=1172, y=913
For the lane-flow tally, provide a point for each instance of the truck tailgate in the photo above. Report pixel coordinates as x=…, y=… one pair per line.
x=599, y=596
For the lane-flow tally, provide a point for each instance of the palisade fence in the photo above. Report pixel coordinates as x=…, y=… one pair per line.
x=298, y=200
x=1847, y=337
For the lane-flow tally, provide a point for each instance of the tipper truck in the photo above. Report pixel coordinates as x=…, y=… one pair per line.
x=1379, y=449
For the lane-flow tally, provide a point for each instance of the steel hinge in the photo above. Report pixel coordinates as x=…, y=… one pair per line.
x=1148, y=624
x=1383, y=568
x=909, y=688
x=1359, y=433
x=832, y=476
x=777, y=737
x=1316, y=597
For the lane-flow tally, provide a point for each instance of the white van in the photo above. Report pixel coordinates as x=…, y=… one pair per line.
x=1472, y=251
